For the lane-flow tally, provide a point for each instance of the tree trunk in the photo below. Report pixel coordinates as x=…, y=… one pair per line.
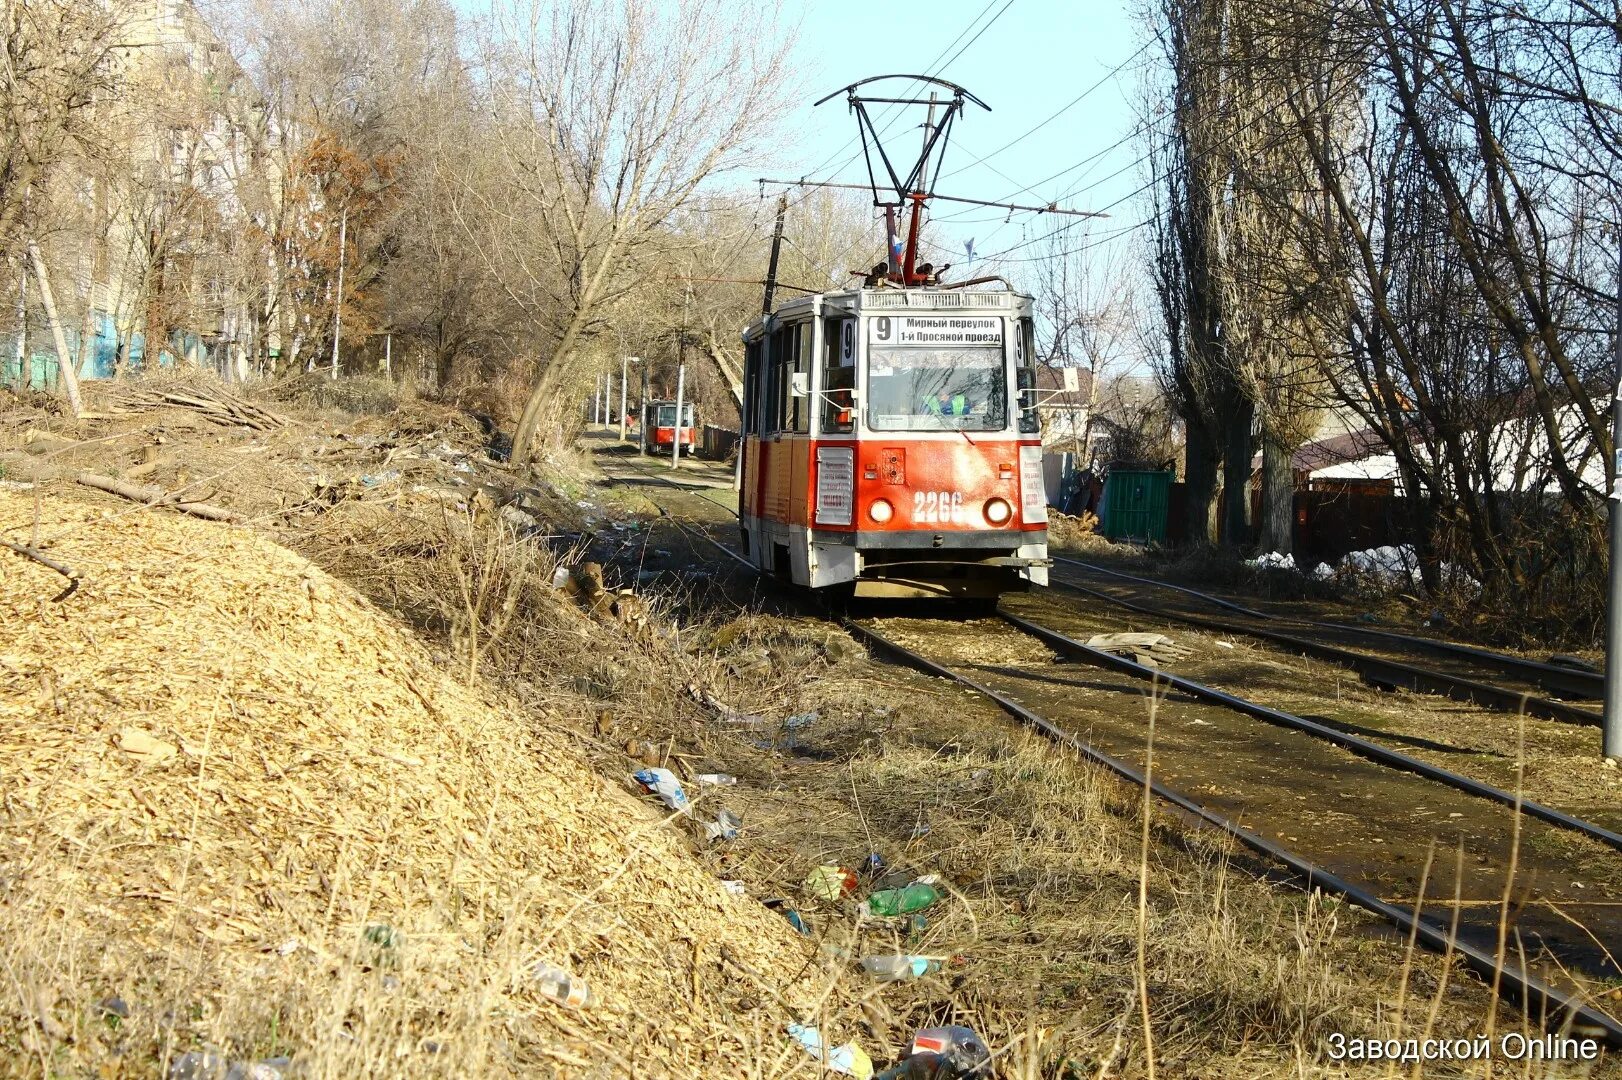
x=87, y=329
x=1200, y=461
x=1278, y=496
x=64, y=359
x=1236, y=454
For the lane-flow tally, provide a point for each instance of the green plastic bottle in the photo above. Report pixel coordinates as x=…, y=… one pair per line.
x=914, y=897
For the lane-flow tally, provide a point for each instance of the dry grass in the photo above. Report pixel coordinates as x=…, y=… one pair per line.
x=1043, y=857
x=334, y=772
x=1077, y=534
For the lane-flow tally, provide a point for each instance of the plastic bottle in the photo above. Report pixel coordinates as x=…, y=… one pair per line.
x=560, y=986
x=899, y=968
x=914, y=897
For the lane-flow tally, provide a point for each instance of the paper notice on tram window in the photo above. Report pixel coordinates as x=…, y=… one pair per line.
x=937, y=330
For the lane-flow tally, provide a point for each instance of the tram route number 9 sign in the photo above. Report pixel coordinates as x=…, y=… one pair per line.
x=935, y=330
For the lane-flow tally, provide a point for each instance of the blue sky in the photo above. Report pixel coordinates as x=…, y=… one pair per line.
x=1027, y=59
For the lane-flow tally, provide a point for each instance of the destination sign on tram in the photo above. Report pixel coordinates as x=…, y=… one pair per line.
x=935, y=330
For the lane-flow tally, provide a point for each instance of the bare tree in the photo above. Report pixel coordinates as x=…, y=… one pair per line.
x=1191, y=178
x=610, y=117
x=58, y=56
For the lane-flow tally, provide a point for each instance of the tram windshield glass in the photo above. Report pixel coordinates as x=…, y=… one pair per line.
x=667, y=416
x=955, y=388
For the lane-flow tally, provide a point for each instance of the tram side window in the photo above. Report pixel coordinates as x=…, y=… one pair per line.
x=791, y=351
x=1030, y=422
x=781, y=364
x=838, y=375
x=751, y=387
x=800, y=407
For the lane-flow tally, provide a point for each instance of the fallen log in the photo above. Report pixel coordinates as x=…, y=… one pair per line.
x=152, y=496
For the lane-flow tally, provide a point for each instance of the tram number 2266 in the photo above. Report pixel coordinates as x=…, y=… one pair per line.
x=937, y=507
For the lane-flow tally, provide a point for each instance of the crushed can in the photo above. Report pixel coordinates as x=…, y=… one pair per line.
x=959, y=1048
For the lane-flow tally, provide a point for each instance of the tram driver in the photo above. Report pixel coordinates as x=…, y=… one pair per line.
x=945, y=403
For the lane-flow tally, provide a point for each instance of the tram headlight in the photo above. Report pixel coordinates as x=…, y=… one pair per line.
x=998, y=511
x=880, y=510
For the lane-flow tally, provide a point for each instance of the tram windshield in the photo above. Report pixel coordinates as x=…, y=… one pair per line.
x=954, y=388
x=667, y=416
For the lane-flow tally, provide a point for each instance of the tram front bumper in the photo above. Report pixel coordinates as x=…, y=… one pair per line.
x=924, y=563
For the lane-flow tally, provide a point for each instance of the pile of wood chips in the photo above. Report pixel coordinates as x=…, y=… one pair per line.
x=258, y=813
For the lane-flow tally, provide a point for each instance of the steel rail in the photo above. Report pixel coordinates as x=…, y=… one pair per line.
x=1537, y=996
x=1558, y=678
x=1380, y=669
x=1356, y=744
x=1540, y=999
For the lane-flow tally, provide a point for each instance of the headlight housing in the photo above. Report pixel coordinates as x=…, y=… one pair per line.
x=998, y=512
x=880, y=510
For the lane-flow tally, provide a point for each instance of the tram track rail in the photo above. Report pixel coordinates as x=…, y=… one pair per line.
x=1554, y=1007
x=1379, y=671
x=1356, y=744
x=1558, y=679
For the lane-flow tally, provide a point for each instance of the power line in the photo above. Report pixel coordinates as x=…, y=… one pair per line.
x=1050, y=208
x=1078, y=99
x=1225, y=145
x=976, y=37
x=934, y=68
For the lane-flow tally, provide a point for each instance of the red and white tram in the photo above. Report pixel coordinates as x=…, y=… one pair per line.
x=891, y=443
x=662, y=431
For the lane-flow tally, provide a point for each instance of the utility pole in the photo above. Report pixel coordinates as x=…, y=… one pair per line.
x=388, y=354
x=777, y=248
x=642, y=417
x=338, y=302
x=1612, y=743
x=675, y=441
x=596, y=398
x=681, y=375
x=625, y=385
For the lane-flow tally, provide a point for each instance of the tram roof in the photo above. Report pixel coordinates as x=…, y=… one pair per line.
x=858, y=301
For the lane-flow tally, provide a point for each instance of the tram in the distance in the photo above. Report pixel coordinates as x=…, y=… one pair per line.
x=891, y=442
x=661, y=431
